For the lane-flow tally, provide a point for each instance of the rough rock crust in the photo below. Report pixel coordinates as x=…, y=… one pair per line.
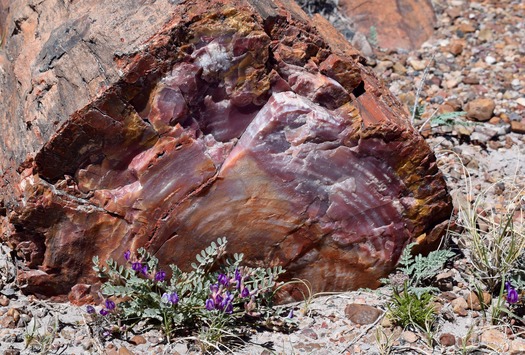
x=169, y=124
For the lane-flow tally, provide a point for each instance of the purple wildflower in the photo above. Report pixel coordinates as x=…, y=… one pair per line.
x=512, y=294
x=104, y=312
x=218, y=301
x=223, y=280
x=110, y=305
x=210, y=305
x=90, y=309
x=290, y=315
x=137, y=266
x=172, y=298
x=127, y=255
x=226, y=302
x=238, y=276
x=160, y=275
x=229, y=308
x=144, y=270
x=245, y=292
x=214, y=288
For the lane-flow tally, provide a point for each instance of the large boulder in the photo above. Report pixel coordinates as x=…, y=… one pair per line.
x=168, y=124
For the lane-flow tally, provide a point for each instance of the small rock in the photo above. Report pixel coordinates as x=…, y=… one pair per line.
x=4, y=301
x=383, y=65
x=447, y=339
x=13, y=313
x=495, y=340
x=7, y=323
x=24, y=320
x=473, y=301
x=521, y=101
x=453, y=12
x=517, y=127
x=456, y=47
x=466, y=28
x=471, y=80
x=399, y=68
x=360, y=42
x=449, y=296
x=409, y=337
x=464, y=131
x=362, y=313
x=386, y=322
x=485, y=35
x=418, y=64
x=517, y=346
x=481, y=109
x=182, y=348
x=490, y=60
x=111, y=349
x=124, y=351
x=459, y=306
x=137, y=340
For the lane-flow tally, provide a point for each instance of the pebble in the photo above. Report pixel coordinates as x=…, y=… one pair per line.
x=4, y=301
x=474, y=303
x=14, y=314
x=517, y=346
x=481, y=109
x=447, y=339
x=490, y=60
x=456, y=47
x=362, y=314
x=137, y=340
x=418, y=64
x=459, y=306
x=518, y=127
x=495, y=340
x=409, y=337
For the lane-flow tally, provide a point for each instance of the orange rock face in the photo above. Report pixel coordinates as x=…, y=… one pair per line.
x=402, y=24
x=242, y=119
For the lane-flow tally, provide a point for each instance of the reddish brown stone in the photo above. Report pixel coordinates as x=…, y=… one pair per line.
x=137, y=340
x=399, y=23
x=169, y=125
x=456, y=47
x=361, y=313
x=480, y=109
x=447, y=339
x=80, y=294
x=517, y=127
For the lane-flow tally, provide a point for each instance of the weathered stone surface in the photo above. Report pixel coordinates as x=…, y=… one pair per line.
x=361, y=313
x=168, y=124
x=402, y=24
x=480, y=109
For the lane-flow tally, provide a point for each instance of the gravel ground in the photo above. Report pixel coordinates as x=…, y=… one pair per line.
x=474, y=63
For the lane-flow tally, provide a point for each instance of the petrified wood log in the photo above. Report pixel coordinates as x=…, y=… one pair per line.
x=402, y=24
x=169, y=124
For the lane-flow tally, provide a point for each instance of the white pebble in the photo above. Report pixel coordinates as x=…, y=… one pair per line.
x=490, y=60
